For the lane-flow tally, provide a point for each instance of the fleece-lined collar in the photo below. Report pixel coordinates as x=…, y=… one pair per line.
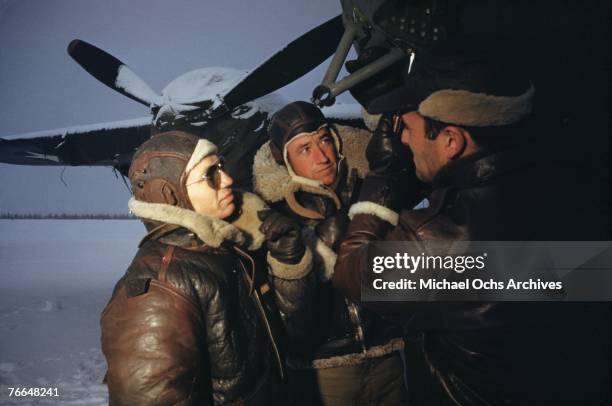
x=275, y=182
x=243, y=231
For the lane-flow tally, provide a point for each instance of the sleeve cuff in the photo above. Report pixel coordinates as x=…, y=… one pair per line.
x=374, y=209
x=291, y=271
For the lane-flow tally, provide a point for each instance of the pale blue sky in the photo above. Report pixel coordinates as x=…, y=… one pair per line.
x=43, y=88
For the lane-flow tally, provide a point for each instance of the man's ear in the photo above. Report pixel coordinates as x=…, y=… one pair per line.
x=169, y=194
x=455, y=141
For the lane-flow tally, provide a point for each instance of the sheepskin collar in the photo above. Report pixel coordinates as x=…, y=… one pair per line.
x=274, y=182
x=242, y=231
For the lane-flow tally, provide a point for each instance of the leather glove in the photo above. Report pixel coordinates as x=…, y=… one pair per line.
x=283, y=237
x=383, y=190
x=379, y=84
x=385, y=152
x=392, y=180
x=331, y=230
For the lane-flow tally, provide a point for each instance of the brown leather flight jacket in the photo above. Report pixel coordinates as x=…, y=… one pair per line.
x=325, y=329
x=187, y=324
x=491, y=353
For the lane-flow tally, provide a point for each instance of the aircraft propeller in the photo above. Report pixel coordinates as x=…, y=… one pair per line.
x=112, y=72
x=283, y=67
x=238, y=135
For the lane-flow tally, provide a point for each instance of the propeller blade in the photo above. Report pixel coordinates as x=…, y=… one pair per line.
x=290, y=63
x=112, y=72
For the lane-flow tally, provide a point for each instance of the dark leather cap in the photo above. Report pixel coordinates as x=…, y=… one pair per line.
x=293, y=119
x=158, y=166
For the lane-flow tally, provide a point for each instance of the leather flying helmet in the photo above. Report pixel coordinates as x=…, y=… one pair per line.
x=161, y=164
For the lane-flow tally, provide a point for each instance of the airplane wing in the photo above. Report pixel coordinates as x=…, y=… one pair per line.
x=114, y=143
x=104, y=144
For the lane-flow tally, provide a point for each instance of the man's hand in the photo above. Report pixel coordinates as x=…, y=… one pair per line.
x=283, y=237
x=392, y=180
x=385, y=152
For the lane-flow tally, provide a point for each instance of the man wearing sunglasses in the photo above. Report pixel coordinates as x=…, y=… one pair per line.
x=340, y=354
x=192, y=321
x=463, y=113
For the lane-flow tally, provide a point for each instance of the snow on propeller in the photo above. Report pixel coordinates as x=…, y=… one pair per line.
x=228, y=106
x=391, y=30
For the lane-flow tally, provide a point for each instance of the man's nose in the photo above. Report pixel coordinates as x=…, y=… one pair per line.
x=405, y=137
x=226, y=180
x=320, y=155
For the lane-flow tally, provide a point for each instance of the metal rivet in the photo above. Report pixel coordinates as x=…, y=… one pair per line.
x=403, y=20
x=422, y=34
x=435, y=30
x=402, y=27
x=392, y=18
x=412, y=30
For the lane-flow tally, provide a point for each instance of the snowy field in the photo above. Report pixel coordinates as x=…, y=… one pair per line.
x=55, y=278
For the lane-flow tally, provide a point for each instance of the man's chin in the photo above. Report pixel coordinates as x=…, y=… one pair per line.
x=228, y=210
x=424, y=178
x=328, y=180
x=327, y=177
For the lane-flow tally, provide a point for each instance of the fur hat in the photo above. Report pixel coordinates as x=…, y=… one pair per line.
x=161, y=164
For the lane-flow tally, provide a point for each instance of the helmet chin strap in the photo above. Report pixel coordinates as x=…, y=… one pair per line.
x=183, y=184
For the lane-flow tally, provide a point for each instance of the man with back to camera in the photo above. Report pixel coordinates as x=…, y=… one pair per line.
x=463, y=112
x=339, y=353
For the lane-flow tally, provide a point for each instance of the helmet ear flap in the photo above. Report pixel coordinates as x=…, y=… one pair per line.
x=169, y=195
x=277, y=154
x=157, y=190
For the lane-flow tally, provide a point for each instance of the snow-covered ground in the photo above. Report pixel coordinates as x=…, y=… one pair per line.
x=55, y=278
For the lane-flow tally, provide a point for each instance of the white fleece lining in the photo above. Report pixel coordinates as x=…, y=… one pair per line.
x=324, y=257
x=461, y=107
x=202, y=149
x=370, y=120
x=273, y=182
x=291, y=271
x=244, y=230
x=374, y=209
x=270, y=179
x=210, y=230
x=247, y=220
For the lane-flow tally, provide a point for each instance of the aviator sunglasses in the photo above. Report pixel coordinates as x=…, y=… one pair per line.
x=212, y=175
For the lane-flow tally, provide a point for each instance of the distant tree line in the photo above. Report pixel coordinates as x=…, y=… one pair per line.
x=66, y=216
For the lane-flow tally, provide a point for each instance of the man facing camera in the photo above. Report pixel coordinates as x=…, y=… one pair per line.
x=339, y=353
